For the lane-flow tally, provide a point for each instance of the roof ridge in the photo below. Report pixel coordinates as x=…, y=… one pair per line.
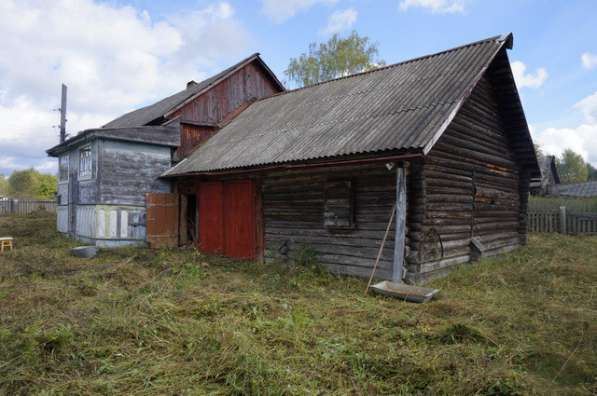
x=507, y=38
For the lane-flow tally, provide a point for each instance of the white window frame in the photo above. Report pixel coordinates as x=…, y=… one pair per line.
x=63, y=160
x=85, y=164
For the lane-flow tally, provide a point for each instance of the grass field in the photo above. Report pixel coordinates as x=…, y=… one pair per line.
x=135, y=321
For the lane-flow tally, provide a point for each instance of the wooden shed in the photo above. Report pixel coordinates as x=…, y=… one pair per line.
x=318, y=170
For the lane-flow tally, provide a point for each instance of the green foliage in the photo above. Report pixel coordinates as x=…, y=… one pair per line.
x=572, y=168
x=140, y=321
x=48, y=186
x=305, y=256
x=30, y=183
x=335, y=58
x=4, y=186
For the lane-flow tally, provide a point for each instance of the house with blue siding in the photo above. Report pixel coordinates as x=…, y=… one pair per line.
x=104, y=173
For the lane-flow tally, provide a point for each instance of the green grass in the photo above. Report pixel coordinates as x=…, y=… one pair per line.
x=135, y=321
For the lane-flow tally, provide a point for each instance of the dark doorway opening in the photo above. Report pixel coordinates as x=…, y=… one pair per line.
x=191, y=218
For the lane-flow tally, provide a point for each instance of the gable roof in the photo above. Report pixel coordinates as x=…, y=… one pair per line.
x=157, y=111
x=403, y=107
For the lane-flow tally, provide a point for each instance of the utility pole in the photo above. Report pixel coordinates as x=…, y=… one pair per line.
x=63, y=114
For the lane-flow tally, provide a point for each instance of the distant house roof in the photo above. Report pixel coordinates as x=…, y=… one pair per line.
x=548, y=165
x=580, y=190
x=154, y=114
x=405, y=107
x=549, y=174
x=157, y=135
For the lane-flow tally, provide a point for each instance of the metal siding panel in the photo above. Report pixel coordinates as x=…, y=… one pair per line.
x=162, y=219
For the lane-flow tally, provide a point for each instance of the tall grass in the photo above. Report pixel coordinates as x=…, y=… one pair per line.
x=141, y=322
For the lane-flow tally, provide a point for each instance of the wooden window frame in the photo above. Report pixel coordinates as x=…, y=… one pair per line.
x=63, y=160
x=85, y=174
x=329, y=207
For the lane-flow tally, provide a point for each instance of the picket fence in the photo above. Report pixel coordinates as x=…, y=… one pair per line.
x=563, y=221
x=25, y=206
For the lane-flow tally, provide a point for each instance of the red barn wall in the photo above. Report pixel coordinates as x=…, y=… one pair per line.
x=248, y=83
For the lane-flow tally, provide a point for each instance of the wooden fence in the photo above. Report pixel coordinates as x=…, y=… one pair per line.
x=563, y=221
x=25, y=206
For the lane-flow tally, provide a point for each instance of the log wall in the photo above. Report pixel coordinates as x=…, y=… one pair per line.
x=293, y=213
x=472, y=188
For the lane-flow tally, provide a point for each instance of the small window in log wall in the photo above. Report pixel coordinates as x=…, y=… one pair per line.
x=339, y=206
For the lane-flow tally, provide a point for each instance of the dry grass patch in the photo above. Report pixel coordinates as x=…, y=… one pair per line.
x=135, y=321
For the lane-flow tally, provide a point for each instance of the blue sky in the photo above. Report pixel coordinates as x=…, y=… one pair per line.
x=118, y=55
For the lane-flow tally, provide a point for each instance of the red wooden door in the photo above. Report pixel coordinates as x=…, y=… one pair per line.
x=211, y=221
x=239, y=219
x=227, y=218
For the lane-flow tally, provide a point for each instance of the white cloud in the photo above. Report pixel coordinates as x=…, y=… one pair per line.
x=435, y=6
x=588, y=60
x=588, y=106
x=113, y=59
x=282, y=10
x=581, y=138
x=529, y=80
x=340, y=21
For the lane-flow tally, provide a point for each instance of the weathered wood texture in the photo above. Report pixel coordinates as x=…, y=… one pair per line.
x=293, y=212
x=18, y=207
x=192, y=136
x=472, y=188
x=563, y=221
x=129, y=170
x=248, y=83
x=216, y=105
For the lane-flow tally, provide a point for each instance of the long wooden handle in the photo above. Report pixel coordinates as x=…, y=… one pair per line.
x=383, y=242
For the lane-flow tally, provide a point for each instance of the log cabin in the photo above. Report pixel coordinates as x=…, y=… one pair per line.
x=317, y=171
x=104, y=173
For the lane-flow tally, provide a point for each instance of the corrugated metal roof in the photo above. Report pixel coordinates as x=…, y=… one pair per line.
x=397, y=107
x=153, y=112
x=581, y=190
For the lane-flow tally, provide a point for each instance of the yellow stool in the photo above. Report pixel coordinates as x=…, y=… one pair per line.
x=6, y=242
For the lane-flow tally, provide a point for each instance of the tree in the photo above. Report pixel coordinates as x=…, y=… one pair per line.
x=572, y=168
x=48, y=186
x=338, y=57
x=4, y=187
x=29, y=183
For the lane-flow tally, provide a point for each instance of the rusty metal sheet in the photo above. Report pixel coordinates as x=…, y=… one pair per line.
x=162, y=219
